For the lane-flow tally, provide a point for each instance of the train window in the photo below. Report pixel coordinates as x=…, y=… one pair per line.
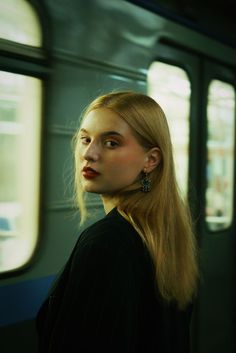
x=20, y=125
x=19, y=23
x=170, y=86
x=220, y=154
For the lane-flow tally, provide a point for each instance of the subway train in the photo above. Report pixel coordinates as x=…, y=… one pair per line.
x=57, y=56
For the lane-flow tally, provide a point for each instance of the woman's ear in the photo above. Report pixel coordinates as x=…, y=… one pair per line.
x=153, y=159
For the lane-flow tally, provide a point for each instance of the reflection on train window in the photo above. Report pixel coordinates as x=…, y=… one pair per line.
x=20, y=125
x=220, y=155
x=19, y=22
x=170, y=87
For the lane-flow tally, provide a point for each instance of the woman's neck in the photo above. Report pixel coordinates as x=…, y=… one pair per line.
x=108, y=203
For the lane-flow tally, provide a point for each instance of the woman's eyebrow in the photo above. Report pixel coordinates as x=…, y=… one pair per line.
x=108, y=133
x=83, y=130
x=104, y=134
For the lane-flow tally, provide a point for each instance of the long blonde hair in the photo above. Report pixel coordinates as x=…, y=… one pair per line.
x=160, y=217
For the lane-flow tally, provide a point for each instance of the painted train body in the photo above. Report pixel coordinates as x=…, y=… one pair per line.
x=93, y=47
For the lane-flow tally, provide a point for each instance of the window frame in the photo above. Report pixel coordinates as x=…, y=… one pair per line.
x=216, y=71
x=29, y=61
x=171, y=55
x=184, y=188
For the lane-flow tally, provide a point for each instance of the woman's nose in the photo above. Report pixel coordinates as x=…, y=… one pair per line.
x=91, y=152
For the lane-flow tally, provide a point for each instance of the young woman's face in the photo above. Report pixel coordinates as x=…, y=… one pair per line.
x=111, y=158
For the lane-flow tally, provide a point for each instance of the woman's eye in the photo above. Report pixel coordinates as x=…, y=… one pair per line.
x=85, y=140
x=111, y=144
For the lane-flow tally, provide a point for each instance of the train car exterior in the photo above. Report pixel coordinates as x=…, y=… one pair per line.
x=55, y=57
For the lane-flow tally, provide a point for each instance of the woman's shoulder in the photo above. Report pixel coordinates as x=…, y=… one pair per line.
x=111, y=232
x=107, y=245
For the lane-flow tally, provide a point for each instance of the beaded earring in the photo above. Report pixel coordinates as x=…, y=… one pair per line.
x=145, y=183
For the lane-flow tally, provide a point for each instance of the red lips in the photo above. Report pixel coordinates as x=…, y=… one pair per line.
x=89, y=173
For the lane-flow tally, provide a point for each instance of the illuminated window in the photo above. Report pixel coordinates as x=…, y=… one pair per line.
x=170, y=87
x=20, y=130
x=220, y=153
x=19, y=22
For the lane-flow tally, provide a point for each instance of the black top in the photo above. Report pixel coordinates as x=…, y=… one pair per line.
x=105, y=299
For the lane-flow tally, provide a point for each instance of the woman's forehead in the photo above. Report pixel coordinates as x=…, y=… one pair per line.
x=102, y=119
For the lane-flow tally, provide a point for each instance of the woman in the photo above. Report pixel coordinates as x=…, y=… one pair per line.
x=130, y=281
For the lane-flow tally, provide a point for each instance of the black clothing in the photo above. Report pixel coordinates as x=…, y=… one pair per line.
x=105, y=300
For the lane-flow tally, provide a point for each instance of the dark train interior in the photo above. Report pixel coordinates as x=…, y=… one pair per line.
x=55, y=57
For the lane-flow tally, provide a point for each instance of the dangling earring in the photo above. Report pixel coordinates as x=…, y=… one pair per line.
x=145, y=182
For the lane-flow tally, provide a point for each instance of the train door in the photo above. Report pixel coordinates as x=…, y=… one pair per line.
x=216, y=309
x=199, y=100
